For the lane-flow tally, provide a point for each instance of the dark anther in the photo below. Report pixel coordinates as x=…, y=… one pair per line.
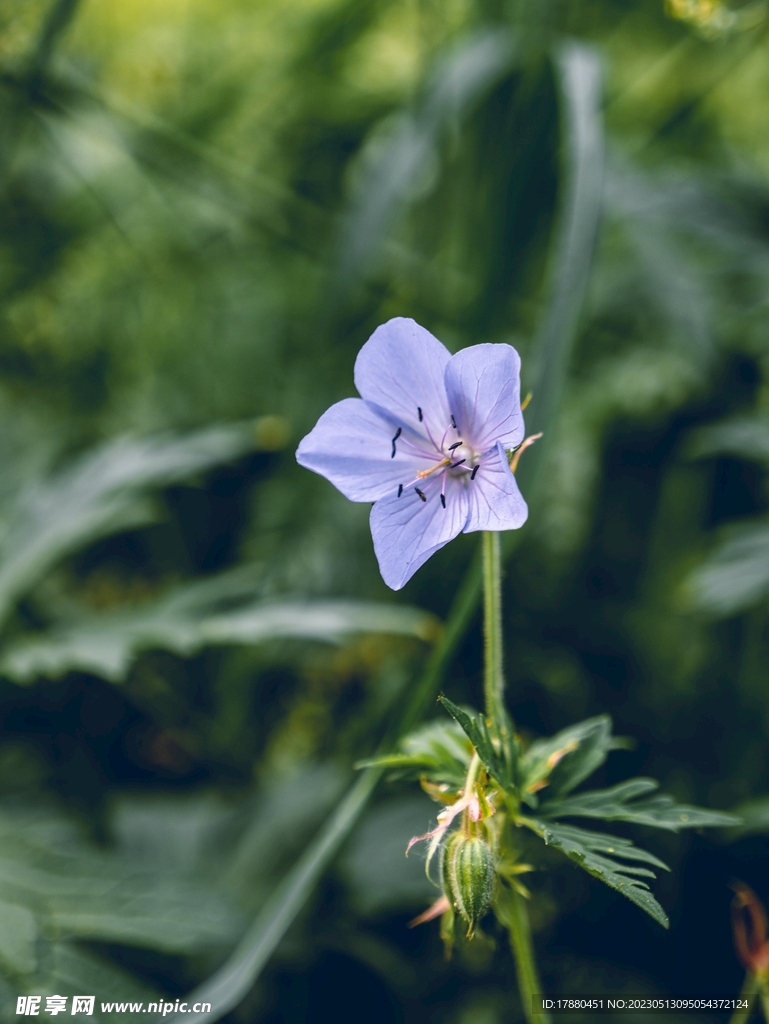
x=400, y=490
x=420, y=494
x=443, y=500
x=419, y=411
x=454, y=423
x=475, y=470
x=455, y=464
x=398, y=433
x=455, y=445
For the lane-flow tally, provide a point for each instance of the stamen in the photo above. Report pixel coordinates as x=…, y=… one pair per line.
x=443, y=500
x=475, y=470
x=398, y=433
x=455, y=445
x=454, y=423
x=419, y=413
x=400, y=490
x=421, y=495
x=455, y=464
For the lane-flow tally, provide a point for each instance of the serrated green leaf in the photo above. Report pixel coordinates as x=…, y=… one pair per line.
x=566, y=759
x=595, y=852
x=474, y=725
x=615, y=804
x=439, y=748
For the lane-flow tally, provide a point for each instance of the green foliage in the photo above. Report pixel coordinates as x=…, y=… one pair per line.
x=589, y=849
x=104, y=492
x=56, y=890
x=205, y=208
x=621, y=803
x=182, y=621
x=440, y=748
x=498, y=762
x=552, y=768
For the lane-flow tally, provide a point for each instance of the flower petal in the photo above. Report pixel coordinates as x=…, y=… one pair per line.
x=351, y=445
x=400, y=369
x=483, y=384
x=407, y=530
x=495, y=503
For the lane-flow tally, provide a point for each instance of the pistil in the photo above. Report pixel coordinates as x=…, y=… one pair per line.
x=422, y=474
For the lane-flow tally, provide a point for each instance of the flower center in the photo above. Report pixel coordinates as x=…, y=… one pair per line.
x=463, y=457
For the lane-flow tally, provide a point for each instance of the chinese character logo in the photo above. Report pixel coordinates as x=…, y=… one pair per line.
x=55, y=1004
x=28, y=1005
x=83, y=1004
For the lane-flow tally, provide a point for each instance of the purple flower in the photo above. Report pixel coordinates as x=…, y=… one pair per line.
x=427, y=442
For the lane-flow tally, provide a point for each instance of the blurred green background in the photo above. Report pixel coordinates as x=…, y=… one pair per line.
x=205, y=209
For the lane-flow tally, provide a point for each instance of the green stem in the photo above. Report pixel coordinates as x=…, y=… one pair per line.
x=749, y=989
x=517, y=921
x=493, y=681
x=764, y=991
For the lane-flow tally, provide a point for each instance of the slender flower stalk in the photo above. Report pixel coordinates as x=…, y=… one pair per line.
x=494, y=682
x=517, y=916
x=529, y=985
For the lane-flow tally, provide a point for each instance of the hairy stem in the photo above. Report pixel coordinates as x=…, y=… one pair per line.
x=493, y=680
x=517, y=921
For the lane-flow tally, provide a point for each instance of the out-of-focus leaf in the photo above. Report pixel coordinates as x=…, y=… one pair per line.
x=747, y=438
x=226, y=987
x=76, y=891
x=579, y=75
x=621, y=803
x=102, y=492
x=675, y=282
x=442, y=748
x=373, y=864
x=181, y=621
x=18, y=934
x=562, y=761
x=752, y=818
x=595, y=852
x=410, y=146
x=67, y=969
x=736, y=574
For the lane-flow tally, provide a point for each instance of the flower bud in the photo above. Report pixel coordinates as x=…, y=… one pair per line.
x=467, y=874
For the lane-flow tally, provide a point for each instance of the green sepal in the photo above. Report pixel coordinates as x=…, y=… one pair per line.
x=621, y=803
x=467, y=876
x=590, y=850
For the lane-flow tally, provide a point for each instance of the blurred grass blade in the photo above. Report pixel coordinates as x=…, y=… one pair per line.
x=59, y=18
x=459, y=81
x=101, y=493
x=228, y=986
x=745, y=438
x=735, y=575
x=580, y=76
x=182, y=622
